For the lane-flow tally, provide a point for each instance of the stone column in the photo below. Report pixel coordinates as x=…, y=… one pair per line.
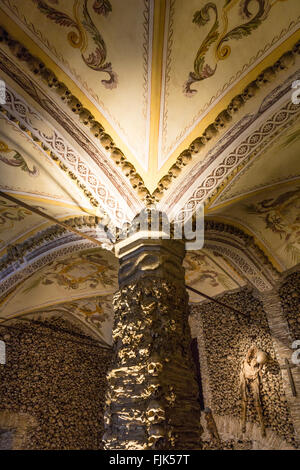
x=152, y=392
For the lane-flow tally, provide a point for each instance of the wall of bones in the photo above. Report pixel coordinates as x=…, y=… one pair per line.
x=224, y=339
x=52, y=387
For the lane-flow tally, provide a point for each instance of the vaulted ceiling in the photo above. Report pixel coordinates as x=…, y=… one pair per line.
x=115, y=105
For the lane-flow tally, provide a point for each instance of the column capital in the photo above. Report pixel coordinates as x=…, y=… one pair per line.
x=148, y=248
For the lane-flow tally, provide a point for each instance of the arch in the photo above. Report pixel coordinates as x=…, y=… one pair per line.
x=242, y=252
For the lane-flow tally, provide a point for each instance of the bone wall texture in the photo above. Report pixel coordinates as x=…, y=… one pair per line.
x=52, y=387
x=224, y=339
x=289, y=293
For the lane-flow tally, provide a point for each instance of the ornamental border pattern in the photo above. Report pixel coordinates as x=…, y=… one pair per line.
x=224, y=118
x=232, y=135
x=38, y=68
x=230, y=232
x=36, y=244
x=222, y=121
x=71, y=128
x=243, y=263
x=145, y=47
x=61, y=151
x=26, y=271
x=240, y=156
x=233, y=79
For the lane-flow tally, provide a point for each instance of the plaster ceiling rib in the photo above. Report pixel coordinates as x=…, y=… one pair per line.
x=39, y=69
x=95, y=185
x=256, y=240
x=242, y=249
x=163, y=194
x=160, y=15
x=116, y=154
x=52, y=239
x=215, y=208
x=49, y=217
x=242, y=144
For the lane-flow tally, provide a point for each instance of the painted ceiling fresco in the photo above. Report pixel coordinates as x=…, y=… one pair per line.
x=27, y=172
x=17, y=223
x=279, y=164
x=155, y=72
x=209, y=274
x=114, y=105
x=25, y=168
x=81, y=285
x=273, y=217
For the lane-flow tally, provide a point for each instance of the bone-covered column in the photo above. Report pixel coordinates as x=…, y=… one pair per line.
x=152, y=393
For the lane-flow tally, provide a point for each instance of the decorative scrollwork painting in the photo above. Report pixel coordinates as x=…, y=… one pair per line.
x=10, y=214
x=85, y=32
x=281, y=216
x=87, y=270
x=13, y=158
x=219, y=36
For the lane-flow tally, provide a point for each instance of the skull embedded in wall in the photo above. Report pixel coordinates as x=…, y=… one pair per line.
x=197, y=144
x=154, y=388
x=155, y=366
x=74, y=104
x=155, y=413
x=156, y=432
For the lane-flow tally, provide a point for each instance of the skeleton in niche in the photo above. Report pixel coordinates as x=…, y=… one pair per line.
x=250, y=378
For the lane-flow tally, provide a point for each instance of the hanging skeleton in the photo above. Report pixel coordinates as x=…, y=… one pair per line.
x=250, y=378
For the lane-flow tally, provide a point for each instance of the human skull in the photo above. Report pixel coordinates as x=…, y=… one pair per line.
x=155, y=366
x=155, y=413
x=197, y=144
x=106, y=141
x=62, y=91
x=74, y=104
x=261, y=357
x=250, y=90
x=165, y=182
x=156, y=432
x=223, y=118
x=85, y=116
x=210, y=131
x=96, y=128
x=184, y=158
x=154, y=390
x=236, y=103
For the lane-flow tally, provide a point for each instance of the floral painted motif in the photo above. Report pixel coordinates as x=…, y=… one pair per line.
x=94, y=311
x=85, y=29
x=14, y=158
x=102, y=7
x=281, y=215
x=10, y=214
x=198, y=269
x=202, y=70
x=89, y=270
